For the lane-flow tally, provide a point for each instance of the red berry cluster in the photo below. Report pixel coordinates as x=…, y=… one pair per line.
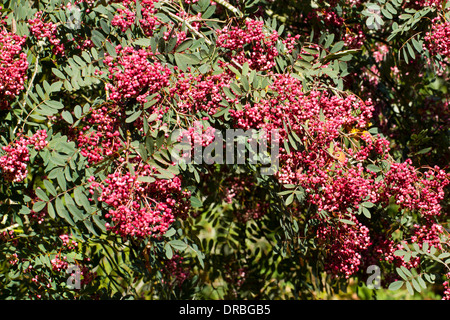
x=14, y=163
x=142, y=209
x=344, y=244
x=46, y=31
x=437, y=39
x=125, y=15
x=201, y=92
x=252, y=38
x=133, y=76
x=99, y=138
x=124, y=19
x=174, y=269
x=13, y=66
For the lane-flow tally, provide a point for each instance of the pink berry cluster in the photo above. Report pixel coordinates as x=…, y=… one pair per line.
x=125, y=15
x=46, y=31
x=67, y=242
x=13, y=259
x=124, y=19
x=403, y=183
x=38, y=217
x=13, y=66
x=252, y=37
x=175, y=269
x=419, y=4
x=437, y=39
x=59, y=262
x=201, y=92
x=295, y=107
x=142, y=209
x=100, y=137
x=322, y=169
x=134, y=76
x=235, y=276
x=353, y=36
x=344, y=244
x=14, y=163
x=197, y=135
x=446, y=295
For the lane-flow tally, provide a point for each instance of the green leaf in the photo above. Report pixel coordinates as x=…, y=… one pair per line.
x=425, y=246
x=50, y=210
x=370, y=21
x=366, y=212
x=346, y=221
x=409, y=288
x=337, y=47
x=444, y=255
x=67, y=116
x=168, y=251
x=88, y=224
x=62, y=212
x=180, y=62
x=329, y=41
x=184, y=45
x=110, y=49
x=86, y=56
x=396, y=285
x=391, y=8
x=368, y=204
x=401, y=274
x=196, y=202
x=147, y=179
x=386, y=13
x=406, y=271
x=133, y=117
x=99, y=222
x=54, y=104
x=410, y=50
x=79, y=61
x=185, y=59
x=61, y=180
x=105, y=27
x=235, y=88
x=416, y=285
x=38, y=206
x=417, y=45
x=178, y=245
x=228, y=93
x=58, y=73
x=289, y=200
x=209, y=12
x=78, y=111
x=170, y=233
x=41, y=194
x=421, y=282
x=373, y=168
x=56, y=86
x=399, y=253
x=423, y=151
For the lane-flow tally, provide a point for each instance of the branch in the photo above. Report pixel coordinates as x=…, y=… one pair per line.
x=15, y=225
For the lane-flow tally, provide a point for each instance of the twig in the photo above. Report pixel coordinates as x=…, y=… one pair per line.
x=24, y=100
x=15, y=225
x=190, y=27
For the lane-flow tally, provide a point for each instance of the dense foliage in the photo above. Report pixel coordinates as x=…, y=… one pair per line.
x=92, y=92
